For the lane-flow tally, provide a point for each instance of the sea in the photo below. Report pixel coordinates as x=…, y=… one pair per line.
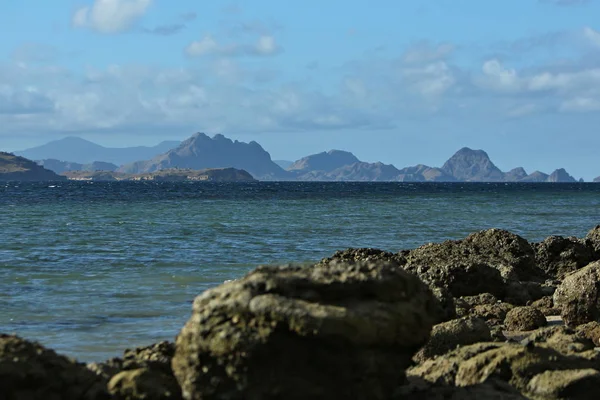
x=90, y=269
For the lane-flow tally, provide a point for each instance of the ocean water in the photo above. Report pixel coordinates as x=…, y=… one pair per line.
x=91, y=269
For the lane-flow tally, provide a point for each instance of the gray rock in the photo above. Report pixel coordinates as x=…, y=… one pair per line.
x=321, y=332
x=578, y=296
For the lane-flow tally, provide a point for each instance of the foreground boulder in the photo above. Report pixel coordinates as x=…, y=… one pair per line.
x=558, y=256
x=578, y=296
x=321, y=332
x=30, y=371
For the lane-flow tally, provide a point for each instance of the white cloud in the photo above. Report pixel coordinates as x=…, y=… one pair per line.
x=265, y=45
x=580, y=104
x=206, y=45
x=110, y=16
x=592, y=36
x=499, y=78
x=430, y=80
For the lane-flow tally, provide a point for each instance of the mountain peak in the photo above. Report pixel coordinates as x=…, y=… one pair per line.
x=202, y=152
x=561, y=175
x=324, y=161
x=472, y=166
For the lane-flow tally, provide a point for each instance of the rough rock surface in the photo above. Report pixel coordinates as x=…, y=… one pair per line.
x=593, y=238
x=142, y=373
x=578, y=296
x=546, y=306
x=419, y=389
x=560, y=338
x=524, y=319
x=590, y=331
x=477, y=264
x=448, y=335
x=559, y=256
x=520, y=366
x=327, y=331
x=30, y=371
x=353, y=255
x=493, y=314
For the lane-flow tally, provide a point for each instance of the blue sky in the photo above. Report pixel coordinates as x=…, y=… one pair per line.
x=402, y=82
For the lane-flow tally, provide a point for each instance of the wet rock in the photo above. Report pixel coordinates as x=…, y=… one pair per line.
x=30, y=371
x=590, y=331
x=506, y=252
x=578, y=296
x=559, y=256
x=514, y=364
x=143, y=383
x=327, y=331
x=142, y=373
x=449, y=335
x=570, y=384
x=546, y=306
x=524, y=319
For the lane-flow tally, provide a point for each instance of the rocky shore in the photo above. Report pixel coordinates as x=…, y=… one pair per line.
x=491, y=316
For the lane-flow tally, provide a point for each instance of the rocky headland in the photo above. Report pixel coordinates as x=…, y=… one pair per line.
x=491, y=316
x=15, y=168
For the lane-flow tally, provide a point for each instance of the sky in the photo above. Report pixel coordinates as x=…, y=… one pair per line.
x=397, y=81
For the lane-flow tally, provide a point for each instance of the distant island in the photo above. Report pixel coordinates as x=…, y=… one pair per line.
x=166, y=175
x=202, y=153
x=15, y=168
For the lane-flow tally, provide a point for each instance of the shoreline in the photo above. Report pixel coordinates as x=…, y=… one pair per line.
x=490, y=296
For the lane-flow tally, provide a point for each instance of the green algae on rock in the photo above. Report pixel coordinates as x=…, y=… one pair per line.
x=321, y=332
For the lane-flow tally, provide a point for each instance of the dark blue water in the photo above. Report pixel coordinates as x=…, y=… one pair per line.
x=93, y=268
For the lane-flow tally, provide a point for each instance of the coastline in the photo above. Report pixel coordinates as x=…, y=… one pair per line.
x=473, y=301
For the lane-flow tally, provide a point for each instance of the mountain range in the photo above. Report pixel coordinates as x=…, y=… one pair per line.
x=203, y=152
x=81, y=151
